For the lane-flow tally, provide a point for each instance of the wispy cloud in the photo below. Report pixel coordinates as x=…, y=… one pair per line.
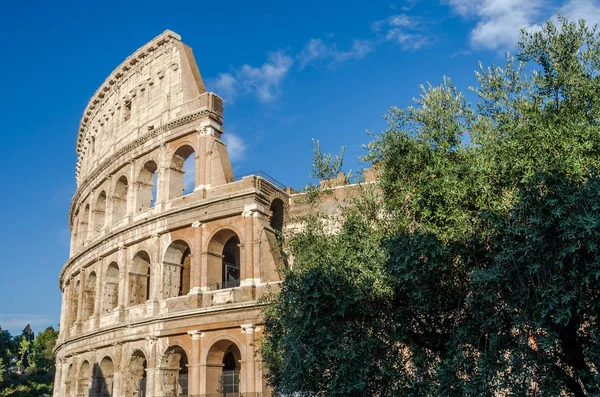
x=263, y=81
x=236, y=147
x=15, y=323
x=318, y=51
x=499, y=21
x=405, y=30
x=582, y=9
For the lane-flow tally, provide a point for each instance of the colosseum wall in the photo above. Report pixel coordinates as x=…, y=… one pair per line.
x=169, y=252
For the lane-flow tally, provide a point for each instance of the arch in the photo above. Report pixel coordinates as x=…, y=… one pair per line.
x=89, y=297
x=100, y=212
x=135, y=375
x=176, y=269
x=120, y=198
x=103, y=378
x=75, y=303
x=182, y=171
x=83, y=225
x=223, y=270
x=139, y=279
x=146, y=186
x=84, y=380
x=276, y=220
x=174, y=372
x=223, y=367
x=110, y=297
x=69, y=381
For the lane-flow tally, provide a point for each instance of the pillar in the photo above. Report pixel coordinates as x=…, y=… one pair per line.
x=250, y=370
x=151, y=368
x=80, y=297
x=194, y=365
x=63, y=314
x=98, y=294
x=250, y=212
x=196, y=265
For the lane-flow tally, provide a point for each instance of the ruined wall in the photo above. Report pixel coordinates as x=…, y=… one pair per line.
x=160, y=291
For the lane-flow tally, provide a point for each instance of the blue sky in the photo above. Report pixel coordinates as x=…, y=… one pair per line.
x=288, y=72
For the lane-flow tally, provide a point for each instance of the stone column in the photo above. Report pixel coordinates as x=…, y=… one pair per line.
x=194, y=365
x=247, y=271
x=58, y=377
x=123, y=295
x=162, y=179
x=151, y=369
x=99, y=293
x=196, y=265
x=156, y=271
x=118, y=366
x=131, y=190
x=63, y=313
x=250, y=370
x=80, y=296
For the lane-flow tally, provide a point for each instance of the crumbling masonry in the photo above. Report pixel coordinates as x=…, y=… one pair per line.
x=160, y=291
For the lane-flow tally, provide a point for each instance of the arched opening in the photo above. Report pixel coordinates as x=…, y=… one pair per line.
x=174, y=373
x=89, y=296
x=276, y=220
x=182, y=172
x=120, y=199
x=139, y=279
x=135, y=383
x=146, y=194
x=224, y=260
x=103, y=378
x=74, y=303
x=177, y=267
x=84, y=380
x=69, y=381
x=110, y=298
x=99, y=212
x=223, y=369
x=83, y=225
x=75, y=230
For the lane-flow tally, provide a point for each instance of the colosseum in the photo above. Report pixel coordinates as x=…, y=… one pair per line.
x=170, y=252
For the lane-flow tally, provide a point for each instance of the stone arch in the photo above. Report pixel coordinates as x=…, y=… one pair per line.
x=110, y=297
x=83, y=225
x=173, y=376
x=146, y=186
x=120, y=198
x=102, y=385
x=75, y=303
x=276, y=220
x=100, y=212
x=182, y=180
x=177, y=269
x=84, y=380
x=69, y=381
x=89, y=296
x=135, y=375
x=223, y=367
x=223, y=270
x=139, y=279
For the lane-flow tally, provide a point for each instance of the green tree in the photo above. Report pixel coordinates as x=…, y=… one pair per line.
x=42, y=357
x=478, y=270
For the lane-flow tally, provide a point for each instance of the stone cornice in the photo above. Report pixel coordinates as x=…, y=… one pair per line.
x=119, y=72
x=83, y=185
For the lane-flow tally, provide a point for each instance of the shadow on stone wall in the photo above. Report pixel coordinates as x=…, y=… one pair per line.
x=101, y=386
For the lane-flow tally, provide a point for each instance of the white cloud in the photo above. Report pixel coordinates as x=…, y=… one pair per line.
x=317, y=50
x=236, y=147
x=263, y=81
x=402, y=29
x=226, y=85
x=499, y=22
x=588, y=10
x=15, y=323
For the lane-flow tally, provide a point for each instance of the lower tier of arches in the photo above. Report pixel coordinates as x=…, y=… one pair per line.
x=216, y=363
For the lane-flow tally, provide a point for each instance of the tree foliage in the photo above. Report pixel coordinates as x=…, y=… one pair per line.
x=476, y=272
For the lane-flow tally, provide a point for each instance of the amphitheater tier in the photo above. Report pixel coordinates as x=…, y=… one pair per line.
x=170, y=254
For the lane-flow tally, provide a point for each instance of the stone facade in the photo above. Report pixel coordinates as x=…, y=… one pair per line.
x=160, y=293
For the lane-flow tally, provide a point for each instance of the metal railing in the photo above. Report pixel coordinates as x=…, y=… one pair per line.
x=263, y=175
